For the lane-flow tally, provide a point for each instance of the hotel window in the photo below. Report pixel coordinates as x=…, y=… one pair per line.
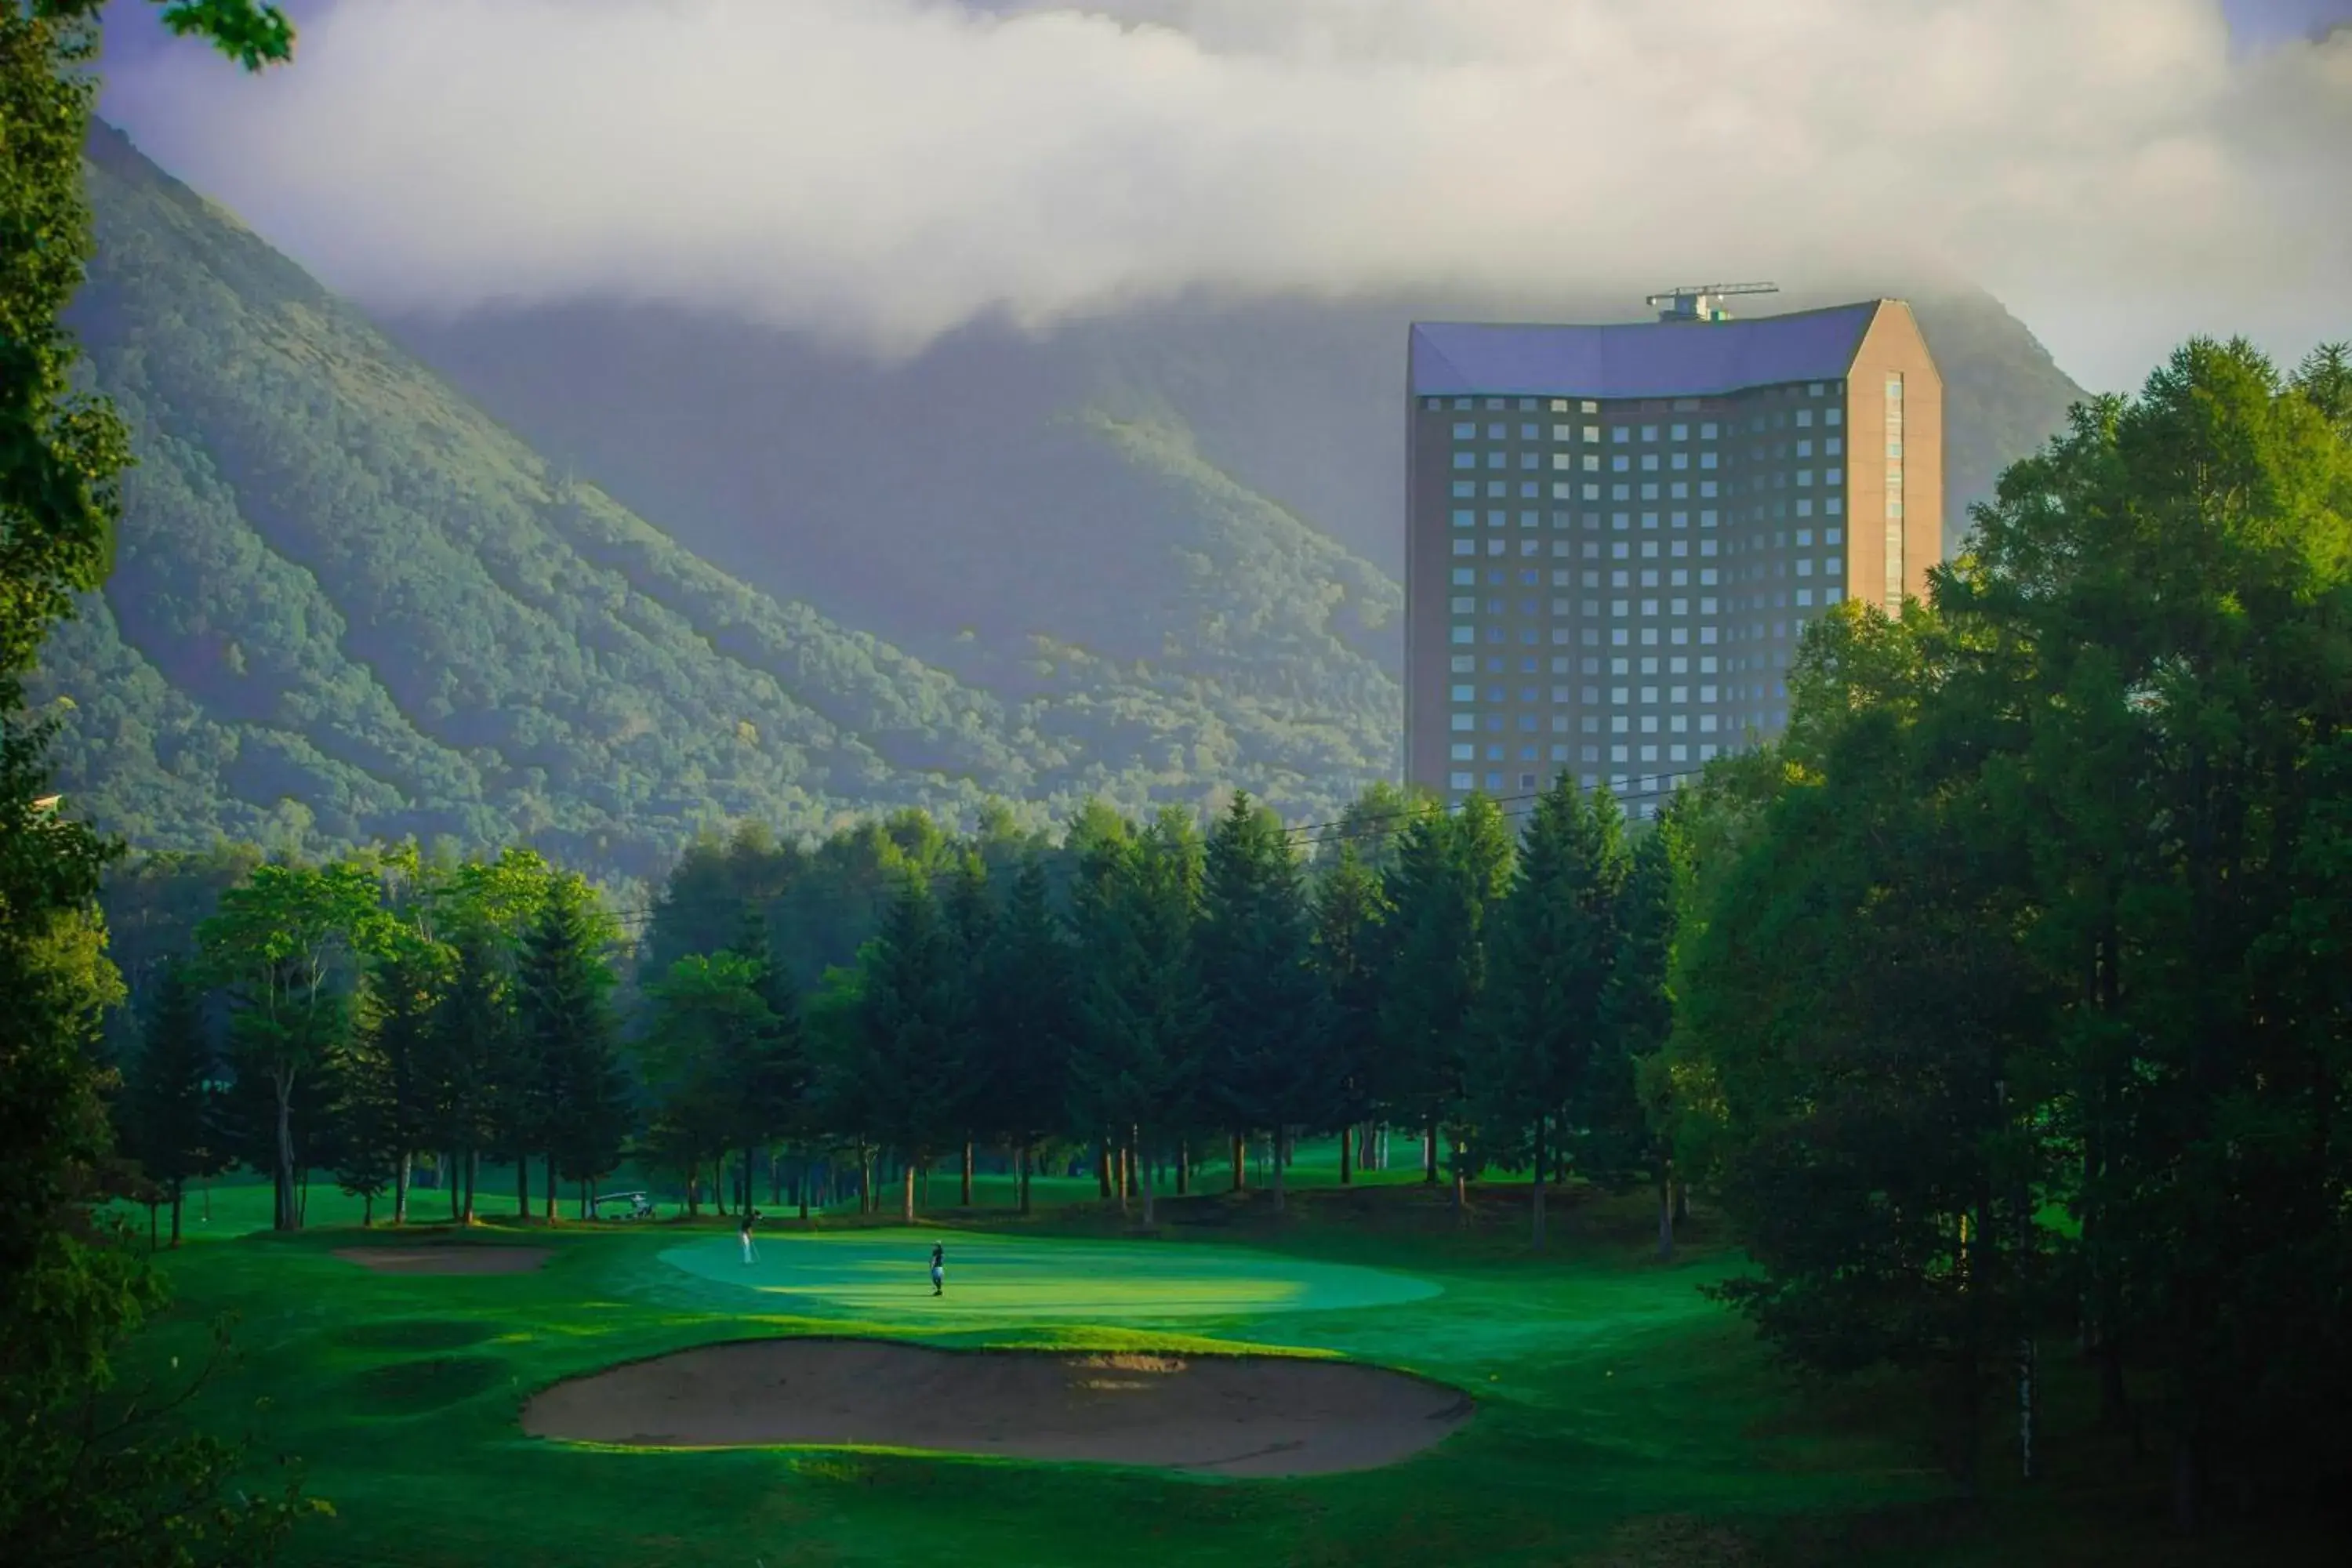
x=1497, y=431
x=1834, y=417
x=1530, y=433
x=1592, y=431
x=1465, y=459
x=1649, y=462
x=1589, y=407
x=1457, y=780
x=1563, y=432
x=1465, y=489
x=1465, y=432
x=1465, y=516
x=1805, y=417
x=1834, y=446
x=1498, y=460
x=1466, y=547
x=1621, y=434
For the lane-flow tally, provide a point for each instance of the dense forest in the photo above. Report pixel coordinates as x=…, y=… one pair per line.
x=1998, y=1006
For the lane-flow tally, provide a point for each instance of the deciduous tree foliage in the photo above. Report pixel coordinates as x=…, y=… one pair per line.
x=2040, y=904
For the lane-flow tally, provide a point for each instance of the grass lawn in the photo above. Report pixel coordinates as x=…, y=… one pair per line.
x=1623, y=1419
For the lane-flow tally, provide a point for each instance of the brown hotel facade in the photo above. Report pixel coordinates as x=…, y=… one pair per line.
x=1615, y=535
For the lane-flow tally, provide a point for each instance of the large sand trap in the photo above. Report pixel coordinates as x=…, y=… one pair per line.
x=444, y=1259
x=1264, y=1416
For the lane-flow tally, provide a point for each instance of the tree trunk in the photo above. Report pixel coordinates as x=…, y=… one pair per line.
x=2188, y=1481
x=287, y=1217
x=551, y=1189
x=1682, y=1204
x=522, y=1186
x=1347, y=1147
x=1102, y=1164
x=400, y=1179
x=448, y=1173
x=302, y=1206
x=1537, y=1206
x=1241, y=1162
x=1183, y=1166
x=367, y=1211
x=966, y=1172
x=2026, y=1359
x=1429, y=1156
x=910, y=1192
x=1665, y=1218
x=1024, y=1178
x=1281, y=1187
x=1143, y=1170
x=179, y=1198
x=473, y=1176
x=1461, y=1187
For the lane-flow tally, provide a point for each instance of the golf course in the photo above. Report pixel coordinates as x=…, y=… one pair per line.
x=1589, y=1406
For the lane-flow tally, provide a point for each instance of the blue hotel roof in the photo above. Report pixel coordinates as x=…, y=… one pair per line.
x=1636, y=359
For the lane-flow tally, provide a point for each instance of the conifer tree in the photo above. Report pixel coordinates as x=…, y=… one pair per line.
x=1265, y=1068
x=1027, y=1018
x=1350, y=913
x=766, y=1070
x=906, y=1072
x=171, y=1092
x=566, y=1030
x=1551, y=946
x=1622, y=1110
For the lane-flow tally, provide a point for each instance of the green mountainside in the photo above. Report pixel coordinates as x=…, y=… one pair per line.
x=348, y=605
x=1144, y=556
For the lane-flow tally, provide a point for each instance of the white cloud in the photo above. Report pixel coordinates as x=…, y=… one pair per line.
x=890, y=168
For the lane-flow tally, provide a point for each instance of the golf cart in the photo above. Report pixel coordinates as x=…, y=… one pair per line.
x=639, y=1205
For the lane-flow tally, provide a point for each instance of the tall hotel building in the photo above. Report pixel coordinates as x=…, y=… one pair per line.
x=1615, y=535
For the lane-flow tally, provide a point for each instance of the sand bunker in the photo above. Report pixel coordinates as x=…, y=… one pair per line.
x=1263, y=1416
x=445, y=1259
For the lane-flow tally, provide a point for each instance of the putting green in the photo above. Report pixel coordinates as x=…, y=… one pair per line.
x=887, y=1274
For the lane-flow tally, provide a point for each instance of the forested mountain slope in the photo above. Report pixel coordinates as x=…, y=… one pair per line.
x=350, y=605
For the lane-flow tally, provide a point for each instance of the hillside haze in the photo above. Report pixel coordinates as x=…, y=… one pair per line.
x=960, y=489
x=601, y=577
x=348, y=605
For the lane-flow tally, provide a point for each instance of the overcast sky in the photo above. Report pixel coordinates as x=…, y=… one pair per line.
x=2122, y=172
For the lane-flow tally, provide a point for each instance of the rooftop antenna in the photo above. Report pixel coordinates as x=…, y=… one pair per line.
x=1696, y=302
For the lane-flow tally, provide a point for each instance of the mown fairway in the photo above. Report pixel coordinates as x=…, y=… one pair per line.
x=1623, y=1419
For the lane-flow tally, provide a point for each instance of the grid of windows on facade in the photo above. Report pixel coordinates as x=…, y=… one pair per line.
x=1599, y=638
x=1894, y=492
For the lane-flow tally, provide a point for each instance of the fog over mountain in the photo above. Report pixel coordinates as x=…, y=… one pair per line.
x=882, y=172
